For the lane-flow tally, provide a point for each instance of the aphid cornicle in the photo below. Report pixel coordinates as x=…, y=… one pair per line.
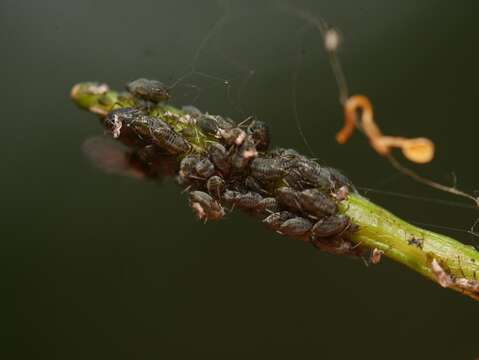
x=149, y=90
x=205, y=207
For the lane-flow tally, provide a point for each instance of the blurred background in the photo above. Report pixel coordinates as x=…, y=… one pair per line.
x=98, y=266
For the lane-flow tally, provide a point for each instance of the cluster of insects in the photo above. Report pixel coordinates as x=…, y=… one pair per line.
x=224, y=165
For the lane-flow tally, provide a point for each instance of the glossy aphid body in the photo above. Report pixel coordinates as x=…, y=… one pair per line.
x=148, y=90
x=205, y=207
x=293, y=195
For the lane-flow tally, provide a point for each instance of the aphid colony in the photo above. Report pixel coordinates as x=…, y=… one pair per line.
x=224, y=165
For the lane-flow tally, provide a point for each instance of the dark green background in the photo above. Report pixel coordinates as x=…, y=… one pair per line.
x=104, y=267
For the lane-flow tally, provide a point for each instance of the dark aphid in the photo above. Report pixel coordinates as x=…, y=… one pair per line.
x=416, y=242
x=215, y=186
x=317, y=203
x=252, y=184
x=268, y=205
x=295, y=227
x=275, y=220
x=266, y=169
x=149, y=90
x=338, y=180
x=286, y=153
x=156, y=163
x=219, y=158
x=243, y=154
x=330, y=226
x=187, y=173
x=338, y=246
x=305, y=173
x=214, y=125
x=205, y=207
x=289, y=198
x=230, y=196
x=260, y=134
x=168, y=139
x=246, y=201
x=118, y=121
x=234, y=136
x=204, y=168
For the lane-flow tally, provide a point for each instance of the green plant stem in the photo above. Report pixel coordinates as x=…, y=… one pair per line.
x=409, y=244
x=437, y=257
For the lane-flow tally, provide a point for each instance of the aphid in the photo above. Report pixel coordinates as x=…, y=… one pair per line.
x=118, y=121
x=219, y=157
x=416, y=242
x=243, y=155
x=149, y=90
x=286, y=154
x=246, y=201
x=295, y=227
x=316, y=203
x=342, y=193
x=376, y=255
x=289, y=198
x=251, y=183
x=187, y=173
x=268, y=170
x=330, y=226
x=214, y=125
x=307, y=173
x=275, y=220
x=233, y=136
x=268, y=205
x=338, y=180
x=338, y=246
x=215, y=186
x=258, y=130
x=205, y=168
x=205, y=207
x=168, y=139
x=230, y=196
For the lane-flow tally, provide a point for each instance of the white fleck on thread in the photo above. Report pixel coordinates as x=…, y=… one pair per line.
x=331, y=40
